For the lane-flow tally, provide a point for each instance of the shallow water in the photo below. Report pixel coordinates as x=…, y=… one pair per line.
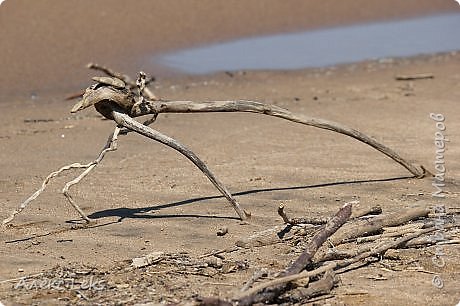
x=325, y=47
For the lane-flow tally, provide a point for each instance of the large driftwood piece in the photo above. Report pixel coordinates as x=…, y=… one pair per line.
x=131, y=105
x=121, y=104
x=162, y=106
x=120, y=99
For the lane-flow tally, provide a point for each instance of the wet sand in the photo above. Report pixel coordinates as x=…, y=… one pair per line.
x=46, y=44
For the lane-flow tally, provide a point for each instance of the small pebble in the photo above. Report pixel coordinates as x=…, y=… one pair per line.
x=222, y=231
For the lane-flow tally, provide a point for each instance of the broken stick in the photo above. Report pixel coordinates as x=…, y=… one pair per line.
x=359, y=228
x=268, y=294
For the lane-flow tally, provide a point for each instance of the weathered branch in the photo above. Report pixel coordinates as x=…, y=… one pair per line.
x=359, y=228
x=162, y=106
x=125, y=78
x=268, y=294
x=53, y=174
x=318, y=221
x=320, y=287
x=113, y=100
x=126, y=121
x=412, y=77
x=331, y=227
x=127, y=101
x=111, y=145
x=295, y=221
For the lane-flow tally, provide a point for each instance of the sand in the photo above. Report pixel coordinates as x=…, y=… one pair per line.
x=46, y=44
x=145, y=197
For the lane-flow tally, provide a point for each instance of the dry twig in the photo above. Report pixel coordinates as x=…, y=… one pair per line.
x=366, y=227
x=320, y=287
x=319, y=221
x=269, y=293
x=111, y=145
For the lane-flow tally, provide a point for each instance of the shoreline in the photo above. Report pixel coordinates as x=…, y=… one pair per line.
x=48, y=51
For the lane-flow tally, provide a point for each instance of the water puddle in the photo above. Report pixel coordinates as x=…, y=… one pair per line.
x=325, y=47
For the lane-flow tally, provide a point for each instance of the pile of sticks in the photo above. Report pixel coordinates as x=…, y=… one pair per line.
x=354, y=239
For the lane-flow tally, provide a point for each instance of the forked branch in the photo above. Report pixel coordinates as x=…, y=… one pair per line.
x=121, y=103
x=119, y=98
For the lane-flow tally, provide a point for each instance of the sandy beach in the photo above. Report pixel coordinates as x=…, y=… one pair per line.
x=146, y=198
x=47, y=44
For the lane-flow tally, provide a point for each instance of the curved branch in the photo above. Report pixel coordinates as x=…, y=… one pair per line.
x=162, y=106
x=122, y=119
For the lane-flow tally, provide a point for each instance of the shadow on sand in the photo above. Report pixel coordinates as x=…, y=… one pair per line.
x=124, y=212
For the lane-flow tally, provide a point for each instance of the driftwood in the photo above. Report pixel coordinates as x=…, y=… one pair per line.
x=269, y=293
x=125, y=78
x=363, y=230
x=111, y=145
x=119, y=98
x=340, y=266
x=367, y=227
x=276, y=234
x=320, y=287
x=318, y=221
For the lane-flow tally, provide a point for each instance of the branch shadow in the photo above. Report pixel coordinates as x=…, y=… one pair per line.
x=134, y=213
x=76, y=225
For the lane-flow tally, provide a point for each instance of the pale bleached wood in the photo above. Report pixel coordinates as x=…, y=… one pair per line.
x=125, y=103
x=162, y=106
x=267, y=294
x=126, y=121
x=358, y=228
